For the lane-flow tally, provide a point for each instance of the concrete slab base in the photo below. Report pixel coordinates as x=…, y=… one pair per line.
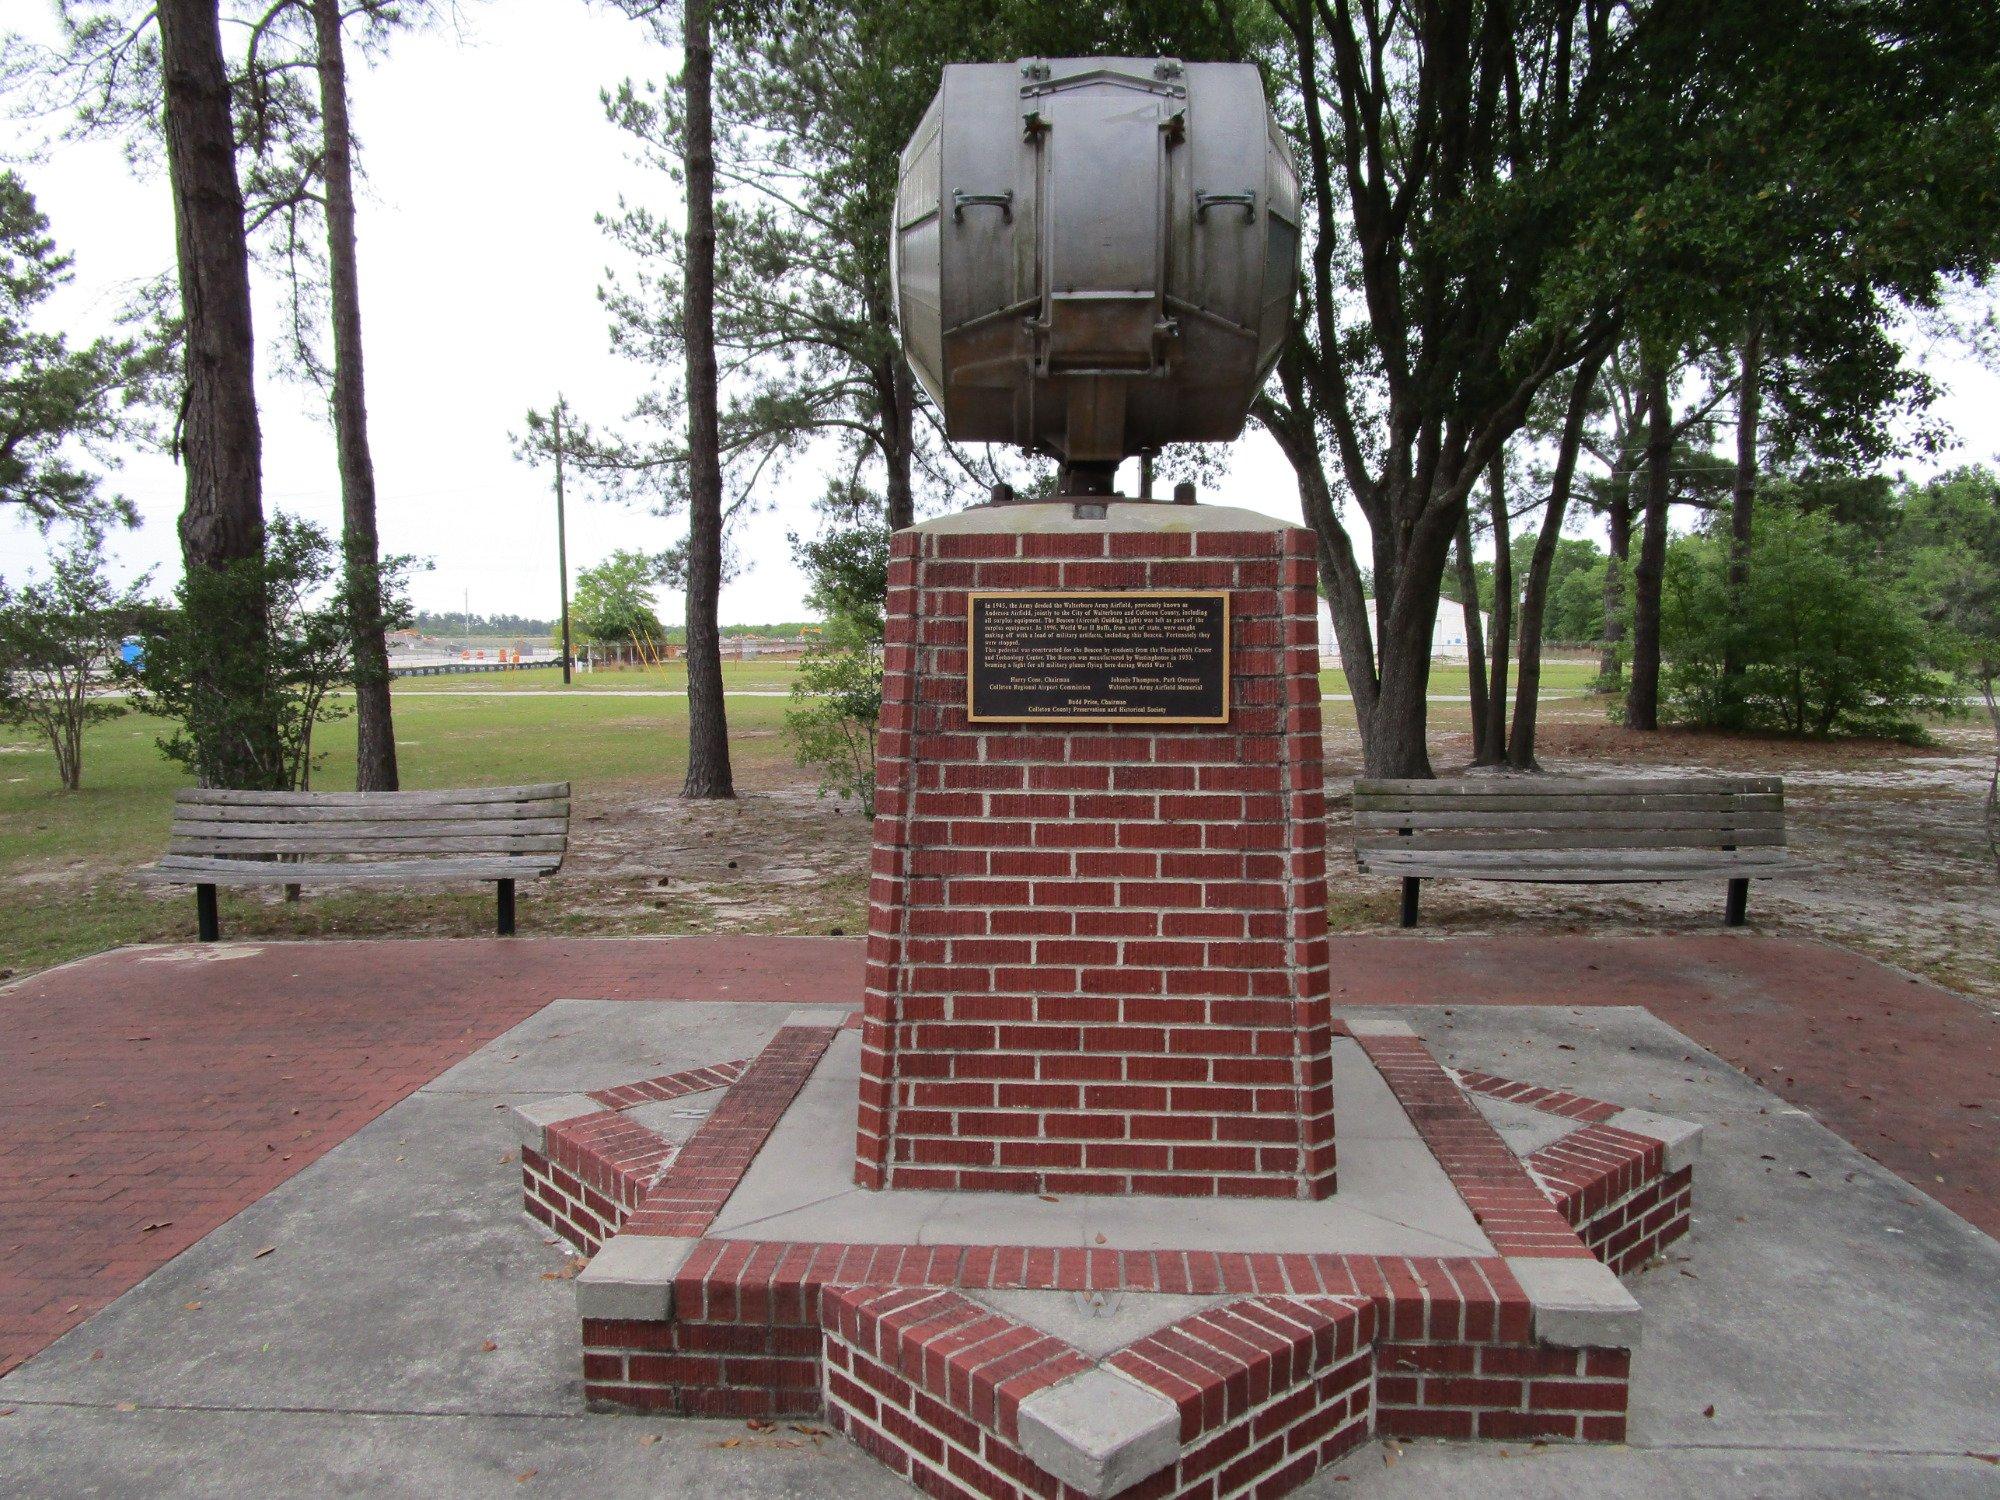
x=1827, y=1328
x=1448, y=1290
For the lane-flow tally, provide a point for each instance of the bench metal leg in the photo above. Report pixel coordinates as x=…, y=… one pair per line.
x=506, y=922
x=1411, y=887
x=1739, y=903
x=207, y=922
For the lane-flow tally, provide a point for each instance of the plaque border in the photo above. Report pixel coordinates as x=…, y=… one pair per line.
x=973, y=596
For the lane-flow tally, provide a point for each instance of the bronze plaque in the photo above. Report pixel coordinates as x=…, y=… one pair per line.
x=1101, y=657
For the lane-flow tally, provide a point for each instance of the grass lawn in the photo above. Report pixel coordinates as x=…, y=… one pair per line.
x=63, y=856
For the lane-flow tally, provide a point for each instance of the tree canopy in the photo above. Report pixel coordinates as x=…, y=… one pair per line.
x=60, y=403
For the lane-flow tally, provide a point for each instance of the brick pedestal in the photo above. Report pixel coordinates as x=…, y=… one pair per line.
x=1097, y=956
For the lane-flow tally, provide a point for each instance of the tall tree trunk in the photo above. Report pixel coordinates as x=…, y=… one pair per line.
x=1339, y=572
x=1535, y=594
x=375, y=733
x=222, y=522
x=1475, y=644
x=901, y=509
x=1743, y=488
x=1642, y=694
x=708, y=773
x=1618, y=525
x=1397, y=744
x=1495, y=737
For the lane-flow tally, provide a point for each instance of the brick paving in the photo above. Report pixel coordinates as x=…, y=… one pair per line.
x=146, y=1095
x=175, y=1086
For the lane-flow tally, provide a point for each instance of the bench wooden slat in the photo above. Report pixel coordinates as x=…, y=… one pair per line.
x=1721, y=802
x=1590, y=874
x=409, y=848
x=1593, y=865
x=1444, y=841
x=191, y=870
x=375, y=812
x=354, y=830
x=1566, y=786
x=220, y=797
x=1609, y=820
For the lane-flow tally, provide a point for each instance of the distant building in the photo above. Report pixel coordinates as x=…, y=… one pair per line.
x=1447, y=632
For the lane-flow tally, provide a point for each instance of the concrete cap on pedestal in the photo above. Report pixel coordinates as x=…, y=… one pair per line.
x=1099, y=1432
x=532, y=1121
x=1579, y=1304
x=1037, y=516
x=1680, y=1138
x=632, y=1277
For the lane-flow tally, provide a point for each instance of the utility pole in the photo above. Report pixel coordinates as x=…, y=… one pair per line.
x=562, y=541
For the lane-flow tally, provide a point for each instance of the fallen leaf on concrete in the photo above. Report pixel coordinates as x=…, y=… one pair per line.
x=6, y=1411
x=1709, y=1412
x=758, y=1424
x=128, y=1406
x=161, y=1224
x=488, y=1347
x=97, y=1354
x=190, y=1307
x=809, y=1430
x=730, y=1443
x=647, y=1439
x=1985, y=1458
x=525, y=1475
x=264, y=1252
x=506, y=1157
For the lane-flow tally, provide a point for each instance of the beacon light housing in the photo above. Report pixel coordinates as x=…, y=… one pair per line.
x=1094, y=257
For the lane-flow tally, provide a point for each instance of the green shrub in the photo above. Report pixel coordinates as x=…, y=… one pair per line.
x=1829, y=642
x=306, y=653
x=837, y=700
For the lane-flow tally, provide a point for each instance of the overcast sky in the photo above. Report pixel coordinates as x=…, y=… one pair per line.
x=488, y=157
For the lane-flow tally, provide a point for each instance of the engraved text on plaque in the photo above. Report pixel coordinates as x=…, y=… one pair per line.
x=1109, y=657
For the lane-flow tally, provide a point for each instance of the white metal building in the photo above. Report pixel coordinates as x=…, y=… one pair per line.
x=1447, y=633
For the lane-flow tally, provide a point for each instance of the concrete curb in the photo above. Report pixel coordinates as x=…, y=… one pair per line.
x=532, y=1121
x=1680, y=1139
x=1099, y=1432
x=1579, y=1304
x=1377, y=1026
x=632, y=1277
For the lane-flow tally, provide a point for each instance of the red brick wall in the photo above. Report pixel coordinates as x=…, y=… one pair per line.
x=1097, y=955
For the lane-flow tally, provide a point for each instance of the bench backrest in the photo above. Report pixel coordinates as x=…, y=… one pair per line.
x=1547, y=812
x=523, y=821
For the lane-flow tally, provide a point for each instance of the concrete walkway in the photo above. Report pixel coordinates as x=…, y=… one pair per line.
x=389, y=1321
x=150, y=1094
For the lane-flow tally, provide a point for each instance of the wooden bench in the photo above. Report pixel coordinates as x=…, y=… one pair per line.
x=497, y=833
x=1573, y=830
